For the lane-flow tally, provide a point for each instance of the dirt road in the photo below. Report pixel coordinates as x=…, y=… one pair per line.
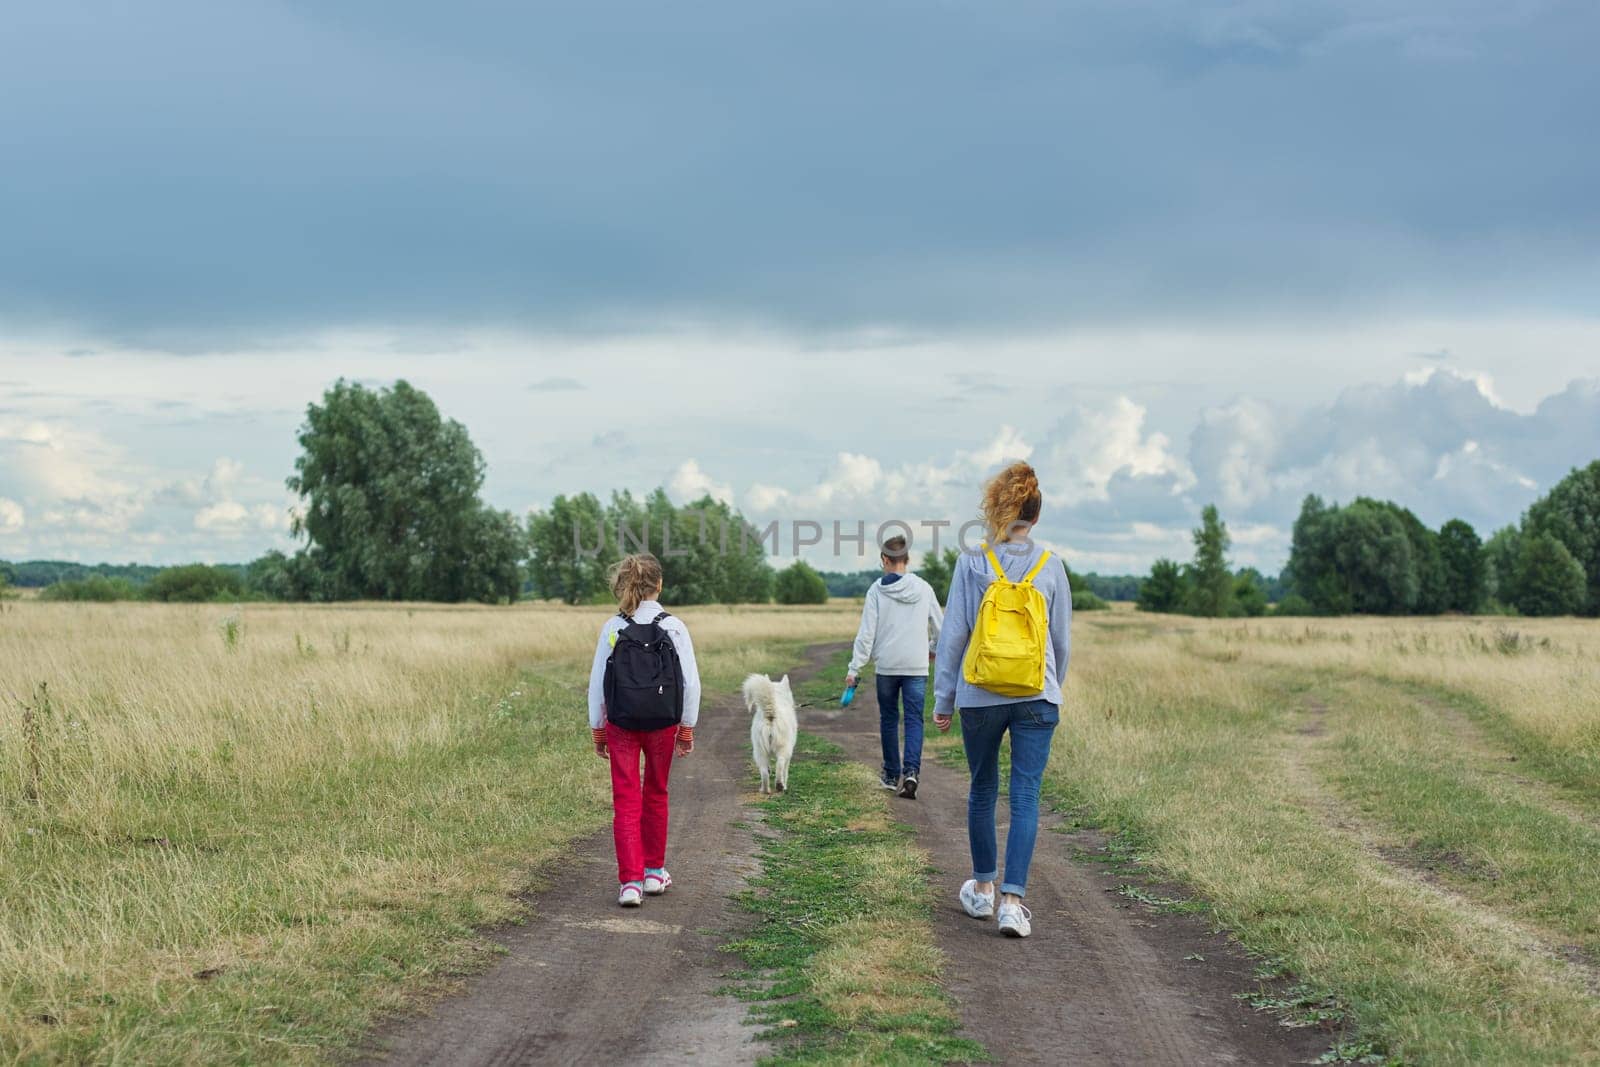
x=587, y=982
x=1101, y=981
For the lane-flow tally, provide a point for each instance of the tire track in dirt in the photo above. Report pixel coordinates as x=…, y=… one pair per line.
x=1102, y=981
x=587, y=982
x=1496, y=761
x=1394, y=868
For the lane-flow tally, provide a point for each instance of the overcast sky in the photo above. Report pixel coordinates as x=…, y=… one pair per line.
x=826, y=261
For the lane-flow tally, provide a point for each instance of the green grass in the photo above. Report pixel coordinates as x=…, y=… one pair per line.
x=1222, y=781
x=1450, y=812
x=278, y=919
x=841, y=962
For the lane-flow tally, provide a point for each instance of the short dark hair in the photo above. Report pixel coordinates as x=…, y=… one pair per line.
x=895, y=547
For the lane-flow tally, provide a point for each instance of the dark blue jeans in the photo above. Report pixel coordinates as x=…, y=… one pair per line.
x=893, y=690
x=1032, y=724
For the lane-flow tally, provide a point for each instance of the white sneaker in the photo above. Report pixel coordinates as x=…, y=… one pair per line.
x=1014, y=920
x=978, y=905
x=656, y=884
x=630, y=896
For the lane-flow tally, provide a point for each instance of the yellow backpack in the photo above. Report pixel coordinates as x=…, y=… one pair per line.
x=1006, y=652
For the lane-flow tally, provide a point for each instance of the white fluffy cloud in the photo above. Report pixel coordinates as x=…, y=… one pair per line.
x=1094, y=446
x=70, y=492
x=233, y=519
x=689, y=482
x=916, y=490
x=1438, y=442
x=1120, y=492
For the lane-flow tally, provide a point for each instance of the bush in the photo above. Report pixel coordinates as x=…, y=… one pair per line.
x=194, y=582
x=799, y=584
x=1294, y=604
x=1085, y=600
x=95, y=588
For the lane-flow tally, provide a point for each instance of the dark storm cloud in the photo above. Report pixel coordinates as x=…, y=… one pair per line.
x=192, y=174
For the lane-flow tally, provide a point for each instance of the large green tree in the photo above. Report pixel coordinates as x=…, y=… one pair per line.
x=1549, y=580
x=1461, y=553
x=1373, y=557
x=1426, y=560
x=708, y=552
x=1312, y=572
x=1210, y=579
x=390, y=506
x=1570, y=513
x=570, y=549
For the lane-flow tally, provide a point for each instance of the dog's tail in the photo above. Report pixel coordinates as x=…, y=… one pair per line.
x=758, y=694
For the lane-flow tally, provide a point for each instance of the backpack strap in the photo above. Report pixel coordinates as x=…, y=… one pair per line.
x=999, y=572
x=1029, y=576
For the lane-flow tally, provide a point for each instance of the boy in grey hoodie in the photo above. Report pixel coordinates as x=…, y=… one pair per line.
x=899, y=631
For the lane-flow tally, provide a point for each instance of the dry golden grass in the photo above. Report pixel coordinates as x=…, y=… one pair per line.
x=1339, y=789
x=1545, y=673
x=304, y=807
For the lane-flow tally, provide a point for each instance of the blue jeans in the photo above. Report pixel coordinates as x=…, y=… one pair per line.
x=1032, y=724
x=893, y=690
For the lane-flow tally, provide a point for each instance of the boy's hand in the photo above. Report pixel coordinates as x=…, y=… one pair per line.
x=849, y=681
x=598, y=735
x=942, y=722
x=685, y=741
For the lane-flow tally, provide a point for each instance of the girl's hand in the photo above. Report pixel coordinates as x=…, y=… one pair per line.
x=601, y=751
x=942, y=722
x=598, y=736
x=685, y=741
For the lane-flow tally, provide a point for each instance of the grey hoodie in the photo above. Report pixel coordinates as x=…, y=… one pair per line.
x=899, y=626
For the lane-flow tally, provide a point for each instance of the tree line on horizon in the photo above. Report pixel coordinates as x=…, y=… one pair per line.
x=391, y=511
x=1375, y=557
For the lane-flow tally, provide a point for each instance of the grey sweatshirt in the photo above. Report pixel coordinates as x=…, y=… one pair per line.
x=972, y=576
x=899, y=625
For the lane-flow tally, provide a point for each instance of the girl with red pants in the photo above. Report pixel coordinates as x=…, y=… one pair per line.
x=630, y=720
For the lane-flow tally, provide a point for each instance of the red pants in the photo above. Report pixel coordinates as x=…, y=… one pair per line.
x=639, y=823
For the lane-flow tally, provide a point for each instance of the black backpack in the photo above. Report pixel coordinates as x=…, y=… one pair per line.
x=643, y=682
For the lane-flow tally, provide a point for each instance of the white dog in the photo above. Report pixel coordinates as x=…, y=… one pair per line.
x=772, y=727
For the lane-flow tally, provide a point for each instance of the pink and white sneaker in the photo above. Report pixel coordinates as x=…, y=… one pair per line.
x=657, y=882
x=630, y=896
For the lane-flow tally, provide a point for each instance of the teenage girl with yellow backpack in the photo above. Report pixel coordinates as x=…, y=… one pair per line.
x=1002, y=658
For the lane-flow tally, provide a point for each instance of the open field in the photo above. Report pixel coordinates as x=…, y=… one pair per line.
x=259, y=830
x=1406, y=812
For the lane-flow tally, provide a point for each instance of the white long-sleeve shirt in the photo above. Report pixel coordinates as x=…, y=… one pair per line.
x=900, y=624
x=679, y=633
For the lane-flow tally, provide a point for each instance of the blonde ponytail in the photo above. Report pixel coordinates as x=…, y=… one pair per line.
x=635, y=579
x=1009, y=498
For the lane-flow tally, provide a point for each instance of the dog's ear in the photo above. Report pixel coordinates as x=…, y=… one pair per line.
x=785, y=681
